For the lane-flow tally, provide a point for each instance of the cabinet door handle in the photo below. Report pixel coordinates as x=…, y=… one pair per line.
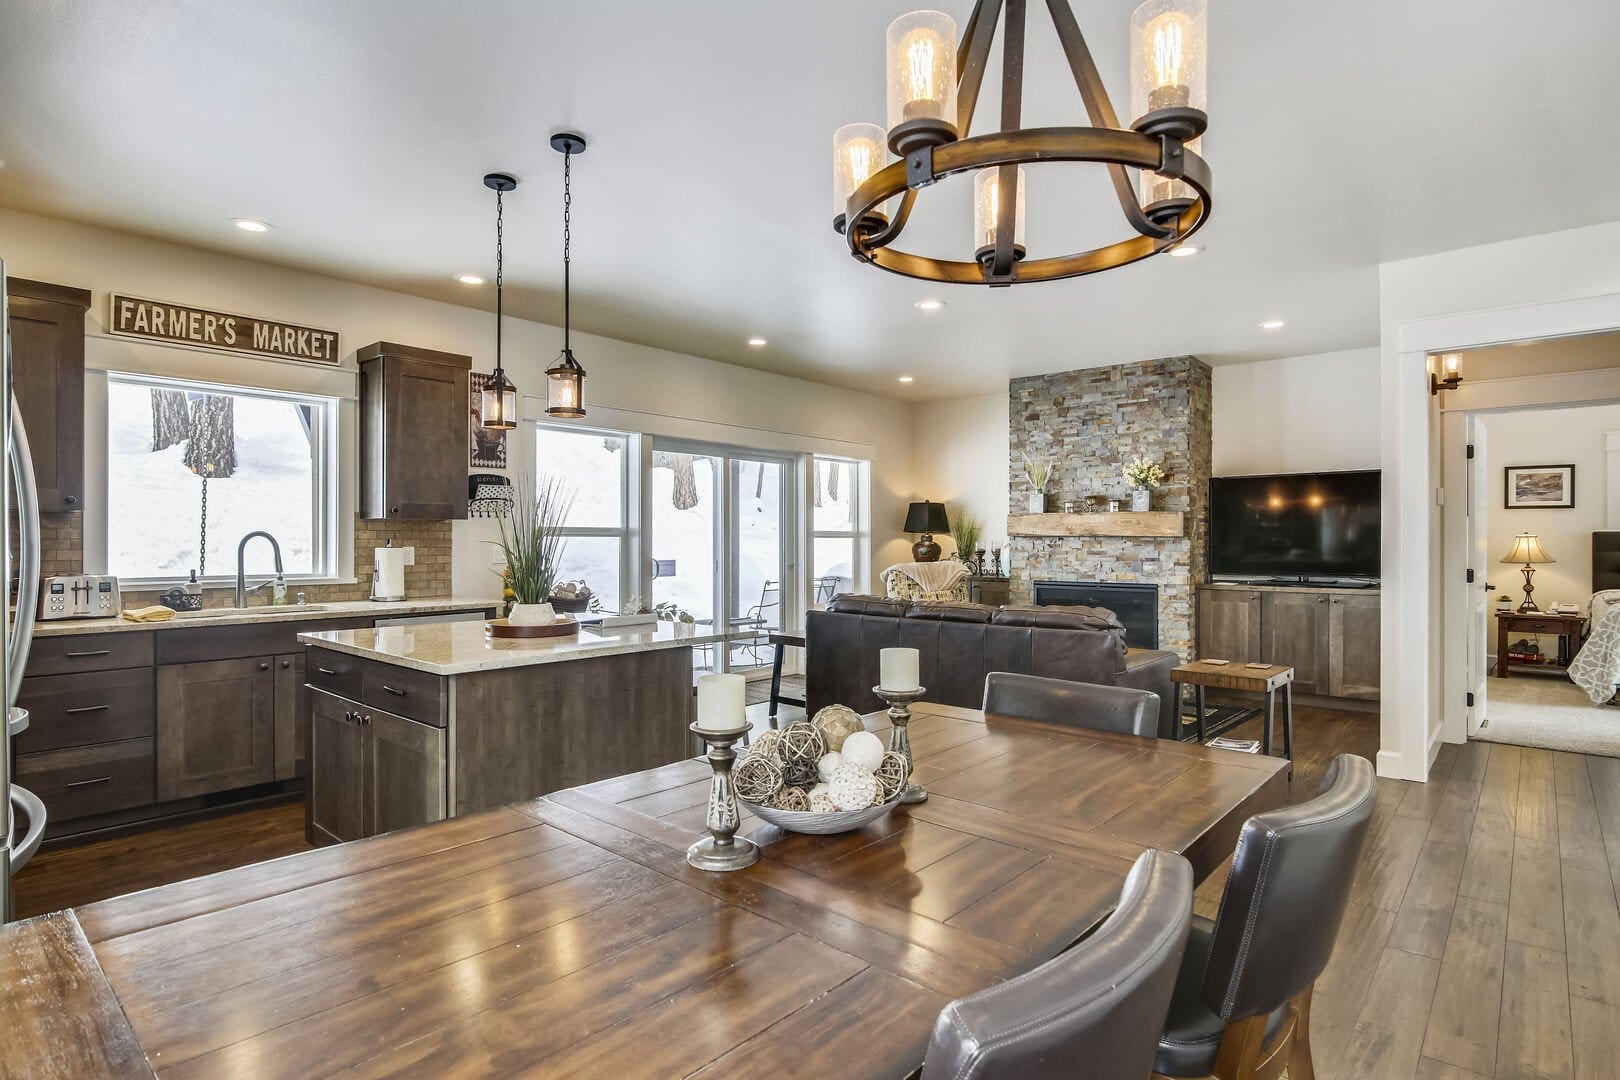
x=70, y=499
x=264, y=665
x=1321, y=599
x=88, y=653
x=326, y=671
x=85, y=709
x=285, y=664
x=350, y=717
x=391, y=690
x=365, y=719
x=87, y=783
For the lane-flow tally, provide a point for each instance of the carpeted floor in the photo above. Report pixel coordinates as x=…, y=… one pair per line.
x=1550, y=712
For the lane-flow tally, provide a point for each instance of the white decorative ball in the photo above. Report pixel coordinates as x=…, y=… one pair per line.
x=819, y=789
x=828, y=764
x=852, y=787
x=821, y=804
x=863, y=749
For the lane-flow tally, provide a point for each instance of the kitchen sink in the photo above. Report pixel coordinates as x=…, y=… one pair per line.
x=262, y=609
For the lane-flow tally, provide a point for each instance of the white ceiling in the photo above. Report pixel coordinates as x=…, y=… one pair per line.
x=1342, y=135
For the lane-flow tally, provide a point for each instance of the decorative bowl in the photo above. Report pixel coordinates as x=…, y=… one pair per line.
x=828, y=824
x=574, y=605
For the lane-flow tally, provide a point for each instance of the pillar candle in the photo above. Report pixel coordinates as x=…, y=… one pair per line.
x=721, y=700
x=898, y=669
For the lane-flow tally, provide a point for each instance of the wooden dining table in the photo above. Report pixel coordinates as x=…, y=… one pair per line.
x=567, y=936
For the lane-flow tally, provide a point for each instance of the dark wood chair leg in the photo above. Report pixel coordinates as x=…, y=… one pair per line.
x=776, y=682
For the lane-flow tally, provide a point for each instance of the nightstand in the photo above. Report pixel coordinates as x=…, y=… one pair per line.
x=1508, y=623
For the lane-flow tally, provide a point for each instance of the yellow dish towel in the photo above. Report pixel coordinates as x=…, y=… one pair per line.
x=155, y=613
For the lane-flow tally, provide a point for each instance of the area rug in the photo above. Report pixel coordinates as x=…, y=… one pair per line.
x=1550, y=712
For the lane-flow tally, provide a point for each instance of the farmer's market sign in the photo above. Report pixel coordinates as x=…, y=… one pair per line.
x=182, y=325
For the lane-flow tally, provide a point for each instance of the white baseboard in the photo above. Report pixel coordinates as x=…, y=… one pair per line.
x=1393, y=766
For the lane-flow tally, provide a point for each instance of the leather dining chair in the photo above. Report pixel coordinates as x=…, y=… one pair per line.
x=1242, y=1004
x=1074, y=704
x=1101, y=1003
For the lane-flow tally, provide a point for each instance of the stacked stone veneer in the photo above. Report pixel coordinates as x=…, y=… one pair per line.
x=1091, y=423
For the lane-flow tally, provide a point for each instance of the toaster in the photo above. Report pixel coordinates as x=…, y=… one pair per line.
x=80, y=596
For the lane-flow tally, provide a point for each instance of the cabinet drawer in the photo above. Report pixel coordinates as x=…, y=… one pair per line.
x=76, y=710
x=189, y=645
x=417, y=695
x=335, y=672
x=1544, y=626
x=85, y=780
x=89, y=652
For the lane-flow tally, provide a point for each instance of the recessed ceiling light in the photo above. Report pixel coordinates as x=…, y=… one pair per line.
x=930, y=305
x=757, y=343
x=907, y=378
x=1185, y=251
x=469, y=279
x=1273, y=324
x=247, y=224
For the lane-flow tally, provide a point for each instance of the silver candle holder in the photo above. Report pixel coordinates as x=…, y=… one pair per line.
x=722, y=849
x=899, y=738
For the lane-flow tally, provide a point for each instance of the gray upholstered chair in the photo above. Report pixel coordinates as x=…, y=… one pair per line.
x=1101, y=1003
x=1086, y=705
x=1242, y=1006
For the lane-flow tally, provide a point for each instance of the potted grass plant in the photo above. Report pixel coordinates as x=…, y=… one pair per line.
x=1037, y=471
x=966, y=530
x=532, y=544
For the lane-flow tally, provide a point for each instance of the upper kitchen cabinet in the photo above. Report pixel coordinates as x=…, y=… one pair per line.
x=413, y=432
x=47, y=343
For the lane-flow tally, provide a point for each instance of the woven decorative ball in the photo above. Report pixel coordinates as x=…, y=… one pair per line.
x=851, y=787
x=791, y=798
x=879, y=798
x=819, y=789
x=801, y=742
x=891, y=773
x=767, y=743
x=828, y=764
x=757, y=779
x=800, y=774
x=864, y=749
x=820, y=803
x=836, y=723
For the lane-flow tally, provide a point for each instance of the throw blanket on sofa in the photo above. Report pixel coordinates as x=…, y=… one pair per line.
x=1596, y=668
x=927, y=581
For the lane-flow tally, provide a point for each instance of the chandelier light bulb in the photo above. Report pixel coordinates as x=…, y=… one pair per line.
x=1168, y=56
x=1166, y=36
x=987, y=206
x=921, y=55
x=858, y=152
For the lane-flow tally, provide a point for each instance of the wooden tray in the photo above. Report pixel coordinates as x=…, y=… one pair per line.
x=563, y=627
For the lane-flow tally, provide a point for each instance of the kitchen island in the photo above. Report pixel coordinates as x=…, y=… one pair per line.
x=411, y=724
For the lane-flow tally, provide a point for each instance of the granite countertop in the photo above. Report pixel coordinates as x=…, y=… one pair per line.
x=460, y=647
x=210, y=617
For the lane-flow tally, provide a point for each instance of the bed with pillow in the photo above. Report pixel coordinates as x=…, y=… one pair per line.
x=1596, y=668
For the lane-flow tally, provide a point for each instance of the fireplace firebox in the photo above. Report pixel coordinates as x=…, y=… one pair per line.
x=1134, y=603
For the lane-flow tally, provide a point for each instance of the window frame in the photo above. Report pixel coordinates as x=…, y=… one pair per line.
x=325, y=540
x=856, y=533
x=629, y=529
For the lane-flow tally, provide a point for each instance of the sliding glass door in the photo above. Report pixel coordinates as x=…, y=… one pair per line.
x=720, y=529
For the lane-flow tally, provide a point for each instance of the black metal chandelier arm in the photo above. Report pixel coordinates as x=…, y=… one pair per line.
x=972, y=57
x=889, y=232
x=1012, y=115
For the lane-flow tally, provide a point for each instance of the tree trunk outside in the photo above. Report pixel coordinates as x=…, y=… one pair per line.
x=212, y=449
x=171, y=425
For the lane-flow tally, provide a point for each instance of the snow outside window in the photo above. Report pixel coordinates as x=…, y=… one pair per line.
x=836, y=527
x=188, y=461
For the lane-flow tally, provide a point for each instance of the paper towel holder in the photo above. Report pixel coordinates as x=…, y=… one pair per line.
x=377, y=585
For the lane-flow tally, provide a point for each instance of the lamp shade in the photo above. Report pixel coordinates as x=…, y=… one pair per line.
x=1527, y=549
x=927, y=517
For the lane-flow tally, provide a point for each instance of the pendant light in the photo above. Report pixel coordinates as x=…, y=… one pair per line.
x=498, y=406
x=565, y=390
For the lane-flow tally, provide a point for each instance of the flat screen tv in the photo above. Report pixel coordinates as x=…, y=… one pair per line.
x=1295, y=526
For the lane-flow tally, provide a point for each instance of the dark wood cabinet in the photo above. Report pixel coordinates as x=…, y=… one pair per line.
x=372, y=771
x=215, y=726
x=1330, y=637
x=994, y=591
x=413, y=432
x=1293, y=631
x=292, y=716
x=47, y=342
x=1229, y=624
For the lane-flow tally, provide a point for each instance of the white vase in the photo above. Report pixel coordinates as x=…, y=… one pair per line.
x=1037, y=502
x=531, y=615
x=1141, y=500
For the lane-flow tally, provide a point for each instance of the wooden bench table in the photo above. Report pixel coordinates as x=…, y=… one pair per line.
x=1259, y=679
x=568, y=936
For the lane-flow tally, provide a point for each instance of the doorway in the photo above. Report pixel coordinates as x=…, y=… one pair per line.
x=1529, y=475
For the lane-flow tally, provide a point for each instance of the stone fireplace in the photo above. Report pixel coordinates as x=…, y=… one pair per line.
x=1091, y=423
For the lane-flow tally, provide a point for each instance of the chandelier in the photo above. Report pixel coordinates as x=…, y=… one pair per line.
x=1162, y=185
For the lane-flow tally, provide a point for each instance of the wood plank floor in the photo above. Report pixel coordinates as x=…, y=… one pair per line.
x=1482, y=937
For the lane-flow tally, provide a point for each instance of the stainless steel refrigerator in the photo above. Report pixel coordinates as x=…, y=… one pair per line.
x=22, y=814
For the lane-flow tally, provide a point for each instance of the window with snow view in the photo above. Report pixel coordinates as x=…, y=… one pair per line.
x=192, y=468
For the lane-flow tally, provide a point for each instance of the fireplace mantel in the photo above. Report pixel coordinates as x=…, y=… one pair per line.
x=1123, y=523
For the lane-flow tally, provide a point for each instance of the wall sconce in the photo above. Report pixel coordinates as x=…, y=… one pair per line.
x=1452, y=363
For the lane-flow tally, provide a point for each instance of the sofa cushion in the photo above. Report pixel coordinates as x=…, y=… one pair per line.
x=1059, y=616
x=969, y=613
x=866, y=604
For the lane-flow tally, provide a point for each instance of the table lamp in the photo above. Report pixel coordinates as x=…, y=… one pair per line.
x=926, y=518
x=1527, y=549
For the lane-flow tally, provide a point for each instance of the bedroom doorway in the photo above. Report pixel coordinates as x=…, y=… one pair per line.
x=1531, y=476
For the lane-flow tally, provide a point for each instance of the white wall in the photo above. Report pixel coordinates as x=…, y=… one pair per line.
x=1549, y=437
x=961, y=459
x=1538, y=286
x=1300, y=414
x=631, y=378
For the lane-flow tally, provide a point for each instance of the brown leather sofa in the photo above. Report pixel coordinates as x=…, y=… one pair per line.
x=960, y=644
